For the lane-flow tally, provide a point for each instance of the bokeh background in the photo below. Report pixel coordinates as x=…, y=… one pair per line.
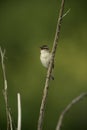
x=24, y=26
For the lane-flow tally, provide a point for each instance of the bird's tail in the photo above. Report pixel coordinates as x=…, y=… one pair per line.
x=52, y=77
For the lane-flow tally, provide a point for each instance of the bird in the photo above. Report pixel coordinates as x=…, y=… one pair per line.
x=45, y=57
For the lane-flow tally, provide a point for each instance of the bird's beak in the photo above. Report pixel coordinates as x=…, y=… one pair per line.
x=40, y=47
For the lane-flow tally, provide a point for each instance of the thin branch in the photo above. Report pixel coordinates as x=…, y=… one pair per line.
x=46, y=88
x=10, y=119
x=19, y=112
x=3, y=68
x=66, y=13
x=74, y=101
x=5, y=93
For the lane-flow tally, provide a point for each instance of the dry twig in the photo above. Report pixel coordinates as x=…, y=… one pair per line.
x=45, y=93
x=5, y=93
x=74, y=101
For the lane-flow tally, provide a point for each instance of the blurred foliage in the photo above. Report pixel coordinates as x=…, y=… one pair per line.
x=24, y=26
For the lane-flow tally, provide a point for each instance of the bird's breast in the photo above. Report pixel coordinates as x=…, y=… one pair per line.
x=45, y=59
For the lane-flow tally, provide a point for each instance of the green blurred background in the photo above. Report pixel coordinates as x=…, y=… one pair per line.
x=24, y=26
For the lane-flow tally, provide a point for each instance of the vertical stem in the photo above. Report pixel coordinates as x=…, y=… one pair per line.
x=19, y=112
x=5, y=93
x=46, y=87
